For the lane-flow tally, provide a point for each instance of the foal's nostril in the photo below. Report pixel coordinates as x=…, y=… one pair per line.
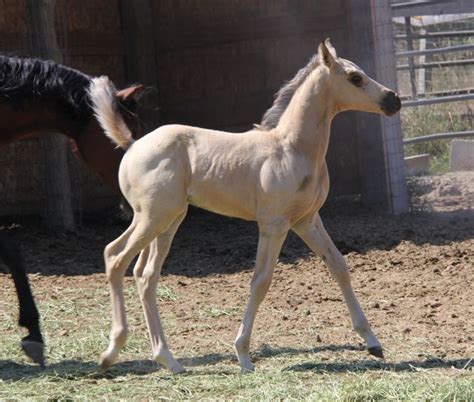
x=391, y=103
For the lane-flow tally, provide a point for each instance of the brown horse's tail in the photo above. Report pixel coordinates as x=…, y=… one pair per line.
x=102, y=93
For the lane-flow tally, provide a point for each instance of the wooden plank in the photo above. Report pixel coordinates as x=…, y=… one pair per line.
x=224, y=74
x=223, y=22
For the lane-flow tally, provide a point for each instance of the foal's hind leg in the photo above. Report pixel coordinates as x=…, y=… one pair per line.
x=147, y=280
x=315, y=236
x=118, y=256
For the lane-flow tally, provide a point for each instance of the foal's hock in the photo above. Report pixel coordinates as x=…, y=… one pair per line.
x=275, y=175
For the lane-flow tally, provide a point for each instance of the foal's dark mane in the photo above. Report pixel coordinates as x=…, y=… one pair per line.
x=25, y=82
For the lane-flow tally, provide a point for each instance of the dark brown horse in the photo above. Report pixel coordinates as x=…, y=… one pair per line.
x=41, y=97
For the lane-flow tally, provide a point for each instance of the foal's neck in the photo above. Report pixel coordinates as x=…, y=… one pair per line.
x=306, y=122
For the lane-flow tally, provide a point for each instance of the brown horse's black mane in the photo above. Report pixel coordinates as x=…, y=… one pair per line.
x=25, y=82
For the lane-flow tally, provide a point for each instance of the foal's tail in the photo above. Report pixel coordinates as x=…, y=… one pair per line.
x=102, y=93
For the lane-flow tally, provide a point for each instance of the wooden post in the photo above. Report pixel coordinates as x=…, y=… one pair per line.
x=391, y=127
x=411, y=59
x=421, y=79
x=380, y=145
x=57, y=213
x=370, y=147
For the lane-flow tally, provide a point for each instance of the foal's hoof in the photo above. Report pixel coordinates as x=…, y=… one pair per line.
x=247, y=370
x=376, y=351
x=105, y=362
x=177, y=368
x=34, y=350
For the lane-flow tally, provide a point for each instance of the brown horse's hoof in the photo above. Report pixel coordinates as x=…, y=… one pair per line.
x=34, y=350
x=376, y=351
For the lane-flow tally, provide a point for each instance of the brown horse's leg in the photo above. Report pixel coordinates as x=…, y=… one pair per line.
x=32, y=344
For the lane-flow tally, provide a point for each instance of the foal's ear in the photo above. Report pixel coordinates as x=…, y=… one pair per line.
x=130, y=93
x=327, y=53
x=330, y=47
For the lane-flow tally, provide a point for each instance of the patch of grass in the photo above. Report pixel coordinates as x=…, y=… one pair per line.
x=76, y=320
x=214, y=312
x=444, y=117
x=430, y=119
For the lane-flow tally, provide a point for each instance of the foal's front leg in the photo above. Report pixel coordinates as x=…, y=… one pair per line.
x=269, y=245
x=315, y=236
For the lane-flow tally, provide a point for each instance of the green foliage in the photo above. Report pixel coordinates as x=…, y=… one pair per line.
x=430, y=119
x=439, y=118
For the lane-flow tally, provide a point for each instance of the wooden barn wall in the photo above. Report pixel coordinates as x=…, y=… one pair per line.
x=215, y=64
x=90, y=37
x=220, y=63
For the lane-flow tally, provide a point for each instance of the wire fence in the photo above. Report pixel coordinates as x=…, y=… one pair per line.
x=435, y=69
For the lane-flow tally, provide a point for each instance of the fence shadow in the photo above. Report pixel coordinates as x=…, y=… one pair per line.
x=209, y=244
x=72, y=370
x=370, y=365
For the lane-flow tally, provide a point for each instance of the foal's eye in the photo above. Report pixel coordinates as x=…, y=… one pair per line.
x=356, y=79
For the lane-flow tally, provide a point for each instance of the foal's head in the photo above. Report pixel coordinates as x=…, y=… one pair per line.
x=352, y=89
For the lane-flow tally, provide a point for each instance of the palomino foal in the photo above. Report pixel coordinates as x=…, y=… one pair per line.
x=275, y=174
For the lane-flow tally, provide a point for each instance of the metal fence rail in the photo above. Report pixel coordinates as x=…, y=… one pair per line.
x=441, y=99
x=449, y=49
x=436, y=35
x=439, y=136
x=437, y=64
x=433, y=7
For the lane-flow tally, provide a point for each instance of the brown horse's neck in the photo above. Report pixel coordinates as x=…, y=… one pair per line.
x=89, y=142
x=19, y=123
x=98, y=152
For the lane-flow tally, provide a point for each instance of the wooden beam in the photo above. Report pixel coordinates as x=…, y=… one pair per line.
x=57, y=212
x=391, y=128
x=370, y=149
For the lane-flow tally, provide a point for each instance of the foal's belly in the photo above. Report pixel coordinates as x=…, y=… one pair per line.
x=226, y=203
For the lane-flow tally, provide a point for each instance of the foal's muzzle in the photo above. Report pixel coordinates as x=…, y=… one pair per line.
x=390, y=104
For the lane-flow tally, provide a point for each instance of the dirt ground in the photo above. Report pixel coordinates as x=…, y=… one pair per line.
x=413, y=275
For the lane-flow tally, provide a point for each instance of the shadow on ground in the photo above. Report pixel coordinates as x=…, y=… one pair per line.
x=74, y=370
x=79, y=370
x=209, y=244
x=369, y=365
